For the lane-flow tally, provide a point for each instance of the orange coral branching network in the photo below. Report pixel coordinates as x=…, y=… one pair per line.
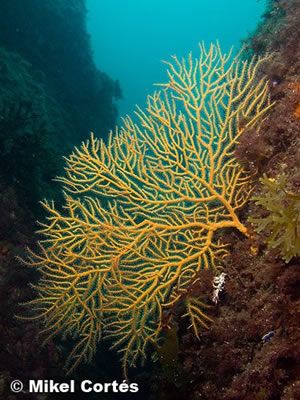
x=142, y=211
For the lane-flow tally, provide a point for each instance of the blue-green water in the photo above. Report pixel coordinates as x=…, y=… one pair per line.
x=131, y=37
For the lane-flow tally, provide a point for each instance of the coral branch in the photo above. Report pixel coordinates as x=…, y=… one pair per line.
x=141, y=213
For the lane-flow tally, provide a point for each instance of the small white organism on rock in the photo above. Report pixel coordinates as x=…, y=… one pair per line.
x=218, y=285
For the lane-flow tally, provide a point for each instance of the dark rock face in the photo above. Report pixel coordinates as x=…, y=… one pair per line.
x=52, y=36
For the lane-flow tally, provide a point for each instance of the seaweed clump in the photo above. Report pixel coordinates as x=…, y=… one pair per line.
x=282, y=222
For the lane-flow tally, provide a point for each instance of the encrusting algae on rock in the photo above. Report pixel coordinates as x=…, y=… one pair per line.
x=142, y=213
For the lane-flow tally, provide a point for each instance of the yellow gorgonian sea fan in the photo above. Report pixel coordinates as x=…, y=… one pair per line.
x=142, y=212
